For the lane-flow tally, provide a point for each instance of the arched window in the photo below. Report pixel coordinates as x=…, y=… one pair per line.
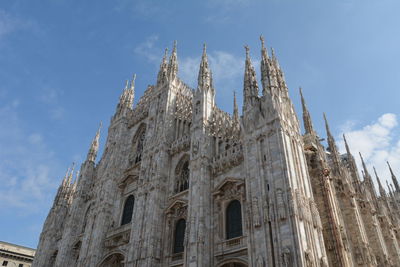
x=182, y=177
x=179, y=236
x=234, y=220
x=128, y=210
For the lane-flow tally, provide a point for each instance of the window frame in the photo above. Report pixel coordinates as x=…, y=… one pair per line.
x=174, y=236
x=226, y=219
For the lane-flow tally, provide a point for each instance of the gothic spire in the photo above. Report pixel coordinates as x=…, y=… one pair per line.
x=367, y=176
x=382, y=191
x=131, y=92
x=173, y=63
x=71, y=174
x=250, y=81
x=394, y=179
x=308, y=127
x=331, y=140
x=347, y=146
x=162, y=73
x=265, y=68
x=205, y=76
x=235, y=108
x=128, y=94
x=94, y=147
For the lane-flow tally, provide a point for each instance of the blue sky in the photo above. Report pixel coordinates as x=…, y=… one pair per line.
x=64, y=63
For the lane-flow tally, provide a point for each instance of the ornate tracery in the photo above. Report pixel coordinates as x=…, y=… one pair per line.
x=182, y=174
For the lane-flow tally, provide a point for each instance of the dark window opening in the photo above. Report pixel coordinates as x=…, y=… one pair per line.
x=234, y=220
x=128, y=210
x=179, y=236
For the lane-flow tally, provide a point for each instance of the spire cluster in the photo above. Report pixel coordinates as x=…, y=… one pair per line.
x=67, y=187
x=250, y=86
x=128, y=94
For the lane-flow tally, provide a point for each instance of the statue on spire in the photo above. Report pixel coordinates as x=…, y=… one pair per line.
x=163, y=72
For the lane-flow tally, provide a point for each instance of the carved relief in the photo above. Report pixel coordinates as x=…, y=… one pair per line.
x=309, y=258
x=286, y=257
x=256, y=213
x=280, y=205
x=260, y=261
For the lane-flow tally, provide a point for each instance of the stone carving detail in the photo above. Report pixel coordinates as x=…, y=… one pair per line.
x=309, y=258
x=280, y=205
x=262, y=146
x=286, y=257
x=256, y=213
x=260, y=261
x=179, y=145
x=323, y=262
x=225, y=161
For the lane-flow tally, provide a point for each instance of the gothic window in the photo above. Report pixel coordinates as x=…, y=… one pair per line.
x=234, y=219
x=179, y=236
x=182, y=177
x=128, y=210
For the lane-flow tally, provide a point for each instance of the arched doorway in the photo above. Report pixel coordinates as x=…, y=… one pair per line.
x=114, y=260
x=234, y=264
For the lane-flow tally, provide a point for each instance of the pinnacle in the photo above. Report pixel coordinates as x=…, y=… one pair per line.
x=308, y=127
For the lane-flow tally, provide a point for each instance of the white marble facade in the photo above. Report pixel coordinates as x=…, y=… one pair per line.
x=183, y=183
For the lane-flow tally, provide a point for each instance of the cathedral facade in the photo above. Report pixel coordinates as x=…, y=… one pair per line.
x=183, y=183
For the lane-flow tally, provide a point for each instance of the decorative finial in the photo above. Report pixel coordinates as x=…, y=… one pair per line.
x=100, y=126
x=204, y=48
x=262, y=41
x=133, y=81
x=246, y=47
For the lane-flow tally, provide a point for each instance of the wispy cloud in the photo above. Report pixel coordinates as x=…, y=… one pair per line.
x=27, y=165
x=10, y=24
x=51, y=97
x=378, y=142
x=149, y=49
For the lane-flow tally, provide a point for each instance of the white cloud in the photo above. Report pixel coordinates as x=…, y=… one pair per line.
x=378, y=142
x=27, y=165
x=149, y=49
